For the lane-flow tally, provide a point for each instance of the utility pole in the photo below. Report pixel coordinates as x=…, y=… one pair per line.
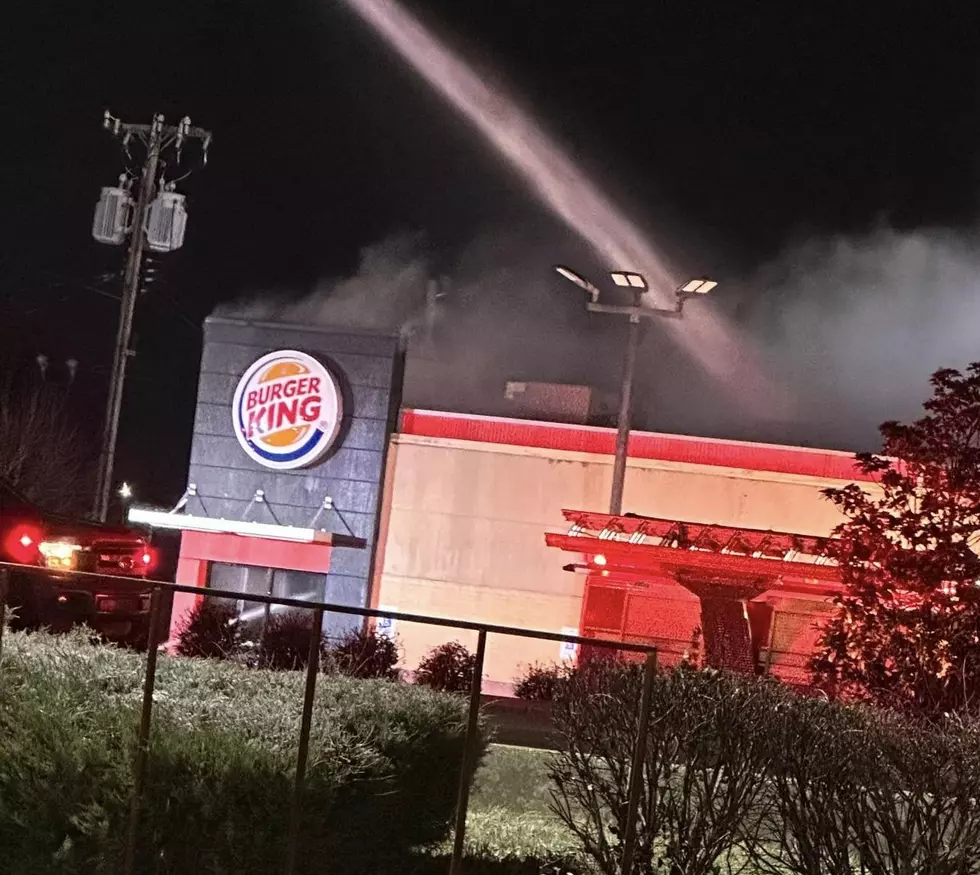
x=117, y=217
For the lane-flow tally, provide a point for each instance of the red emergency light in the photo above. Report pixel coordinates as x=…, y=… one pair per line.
x=22, y=544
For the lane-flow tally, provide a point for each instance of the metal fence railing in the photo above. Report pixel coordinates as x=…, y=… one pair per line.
x=159, y=589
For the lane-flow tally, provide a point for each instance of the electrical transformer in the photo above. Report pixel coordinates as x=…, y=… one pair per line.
x=112, y=216
x=165, y=222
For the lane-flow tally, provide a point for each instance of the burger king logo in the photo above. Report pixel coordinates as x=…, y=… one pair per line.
x=287, y=410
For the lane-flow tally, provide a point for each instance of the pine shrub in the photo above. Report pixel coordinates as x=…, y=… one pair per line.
x=447, y=668
x=540, y=683
x=210, y=630
x=285, y=646
x=363, y=653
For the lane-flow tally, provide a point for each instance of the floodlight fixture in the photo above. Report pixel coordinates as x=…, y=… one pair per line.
x=637, y=312
x=698, y=286
x=629, y=280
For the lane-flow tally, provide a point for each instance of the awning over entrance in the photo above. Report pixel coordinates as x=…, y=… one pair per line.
x=209, y=542
x=184, y=522
x=631, y=561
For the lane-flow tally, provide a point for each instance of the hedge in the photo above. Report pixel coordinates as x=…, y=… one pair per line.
x=741, y=771
x=383, y=769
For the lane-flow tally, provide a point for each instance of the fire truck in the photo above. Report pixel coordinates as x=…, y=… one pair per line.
x=66, y=572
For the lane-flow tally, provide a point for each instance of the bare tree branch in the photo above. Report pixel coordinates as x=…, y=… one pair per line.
x=42, y=451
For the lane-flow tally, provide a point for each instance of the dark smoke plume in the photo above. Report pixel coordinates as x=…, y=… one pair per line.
x=849, y=327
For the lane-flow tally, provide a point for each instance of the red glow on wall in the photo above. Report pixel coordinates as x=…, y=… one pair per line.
x=649, y=559
x=693, y=590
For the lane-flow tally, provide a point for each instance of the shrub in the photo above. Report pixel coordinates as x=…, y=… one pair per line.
x=448, y=668
x=383, y=768
x=853, y=789
x=818, y=757
x=210, y=629
x=710, y=724
x=285, y=643
x=742, y=771
x=540, y=682
x=914, y=798
x=363, y=653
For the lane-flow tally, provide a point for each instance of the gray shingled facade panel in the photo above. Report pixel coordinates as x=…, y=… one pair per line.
x=236, y=331
x=224, y=452
x=351, y=474
x=360, y=369
x=216, y=420
x=216, y=389
x=296, y=488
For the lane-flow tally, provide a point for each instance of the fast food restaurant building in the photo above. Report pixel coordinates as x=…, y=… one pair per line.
x=310, y=479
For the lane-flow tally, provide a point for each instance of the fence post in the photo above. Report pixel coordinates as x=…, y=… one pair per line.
x=143, y=740
x=312, y=670
x=470, y=752
x=636, y=767
x=3, y=604
x=266, y=613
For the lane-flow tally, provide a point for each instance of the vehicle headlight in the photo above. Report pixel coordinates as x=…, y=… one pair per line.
x=59, y=554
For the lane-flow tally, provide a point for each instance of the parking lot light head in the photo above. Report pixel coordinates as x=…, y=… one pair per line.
x=698, y=286
x=627, y=279
x=579, y=280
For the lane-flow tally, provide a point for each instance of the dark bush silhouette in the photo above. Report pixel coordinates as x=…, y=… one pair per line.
x=285, y=645
x=448, y=668
x=540, y=682
x=706, y=747
x=363, y=653
x=211, y=630
x=741, y=770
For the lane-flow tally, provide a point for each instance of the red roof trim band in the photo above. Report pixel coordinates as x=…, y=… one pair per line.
x=827, y=464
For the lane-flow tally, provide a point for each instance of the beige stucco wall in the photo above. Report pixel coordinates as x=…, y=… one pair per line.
x=464, y=523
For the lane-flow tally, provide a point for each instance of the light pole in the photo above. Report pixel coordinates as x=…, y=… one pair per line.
x=636, y=312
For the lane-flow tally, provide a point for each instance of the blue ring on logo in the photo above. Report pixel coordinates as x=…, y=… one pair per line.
x=304, y=450
x=308, y=447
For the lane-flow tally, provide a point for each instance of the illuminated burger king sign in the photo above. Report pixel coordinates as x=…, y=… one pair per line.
x=287, y=410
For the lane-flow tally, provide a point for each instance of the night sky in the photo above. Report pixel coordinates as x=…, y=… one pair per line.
x=731, y=130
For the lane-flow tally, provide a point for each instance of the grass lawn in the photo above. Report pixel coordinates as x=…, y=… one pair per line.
x=510, y=828
x=509, y=816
